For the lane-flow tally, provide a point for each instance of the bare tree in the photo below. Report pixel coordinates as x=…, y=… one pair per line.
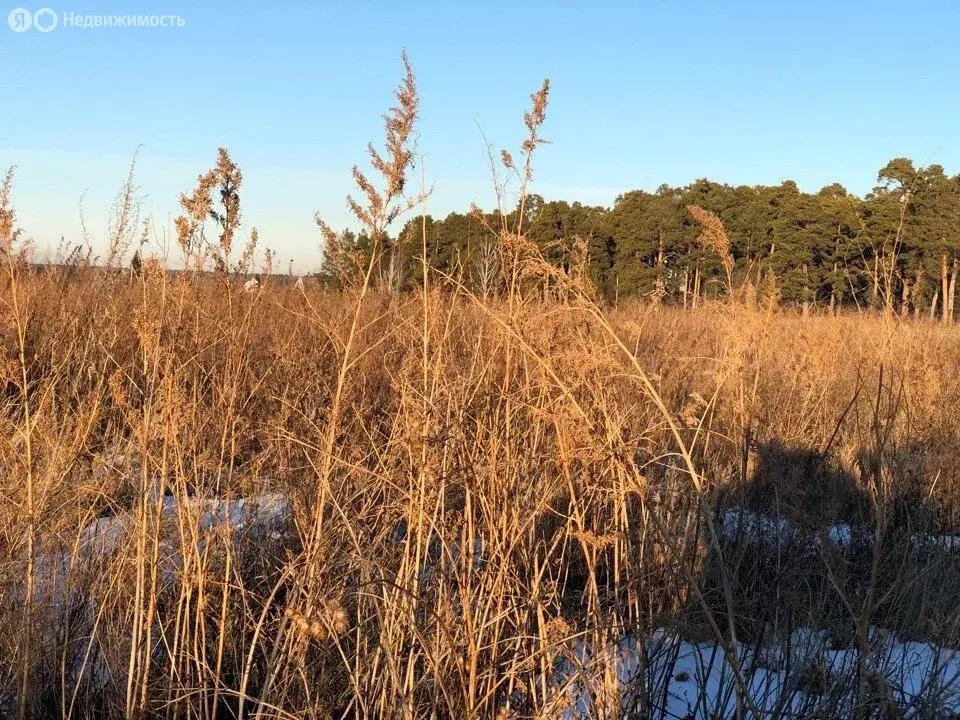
x=393, y=268
x=485, y=267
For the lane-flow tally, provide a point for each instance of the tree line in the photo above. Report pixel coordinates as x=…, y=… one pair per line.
x=896, y=248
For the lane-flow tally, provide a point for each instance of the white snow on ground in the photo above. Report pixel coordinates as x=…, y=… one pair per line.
x=752, y=525
x=62, y=595
x=755, y=527
x=245, y=517
x=840, y=535
x=667, y=678
x=259, y=513
x=938, y=541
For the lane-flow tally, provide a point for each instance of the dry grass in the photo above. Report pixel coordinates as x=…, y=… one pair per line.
x=479, y=487
x=476, y=495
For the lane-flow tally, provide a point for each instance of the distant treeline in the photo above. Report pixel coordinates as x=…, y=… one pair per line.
x=897, y=247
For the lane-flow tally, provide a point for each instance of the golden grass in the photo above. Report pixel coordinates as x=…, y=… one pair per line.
x=479, y=486
x=521, y=436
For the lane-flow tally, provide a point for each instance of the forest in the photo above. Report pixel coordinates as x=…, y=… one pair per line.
x=897, y=248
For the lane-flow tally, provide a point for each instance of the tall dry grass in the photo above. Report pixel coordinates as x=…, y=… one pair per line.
x=482, y=491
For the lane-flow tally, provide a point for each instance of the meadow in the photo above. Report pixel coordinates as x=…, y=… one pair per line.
x=288, y=501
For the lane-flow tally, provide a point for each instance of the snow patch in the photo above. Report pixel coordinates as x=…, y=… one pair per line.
x=665, y=677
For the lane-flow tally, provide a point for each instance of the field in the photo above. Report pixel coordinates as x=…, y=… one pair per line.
x=469, y=493
x=223, y=499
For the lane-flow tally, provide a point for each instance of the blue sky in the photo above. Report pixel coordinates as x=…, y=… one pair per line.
x=642, y=93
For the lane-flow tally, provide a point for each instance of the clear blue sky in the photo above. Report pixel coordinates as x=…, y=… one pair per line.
x=643, y=93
